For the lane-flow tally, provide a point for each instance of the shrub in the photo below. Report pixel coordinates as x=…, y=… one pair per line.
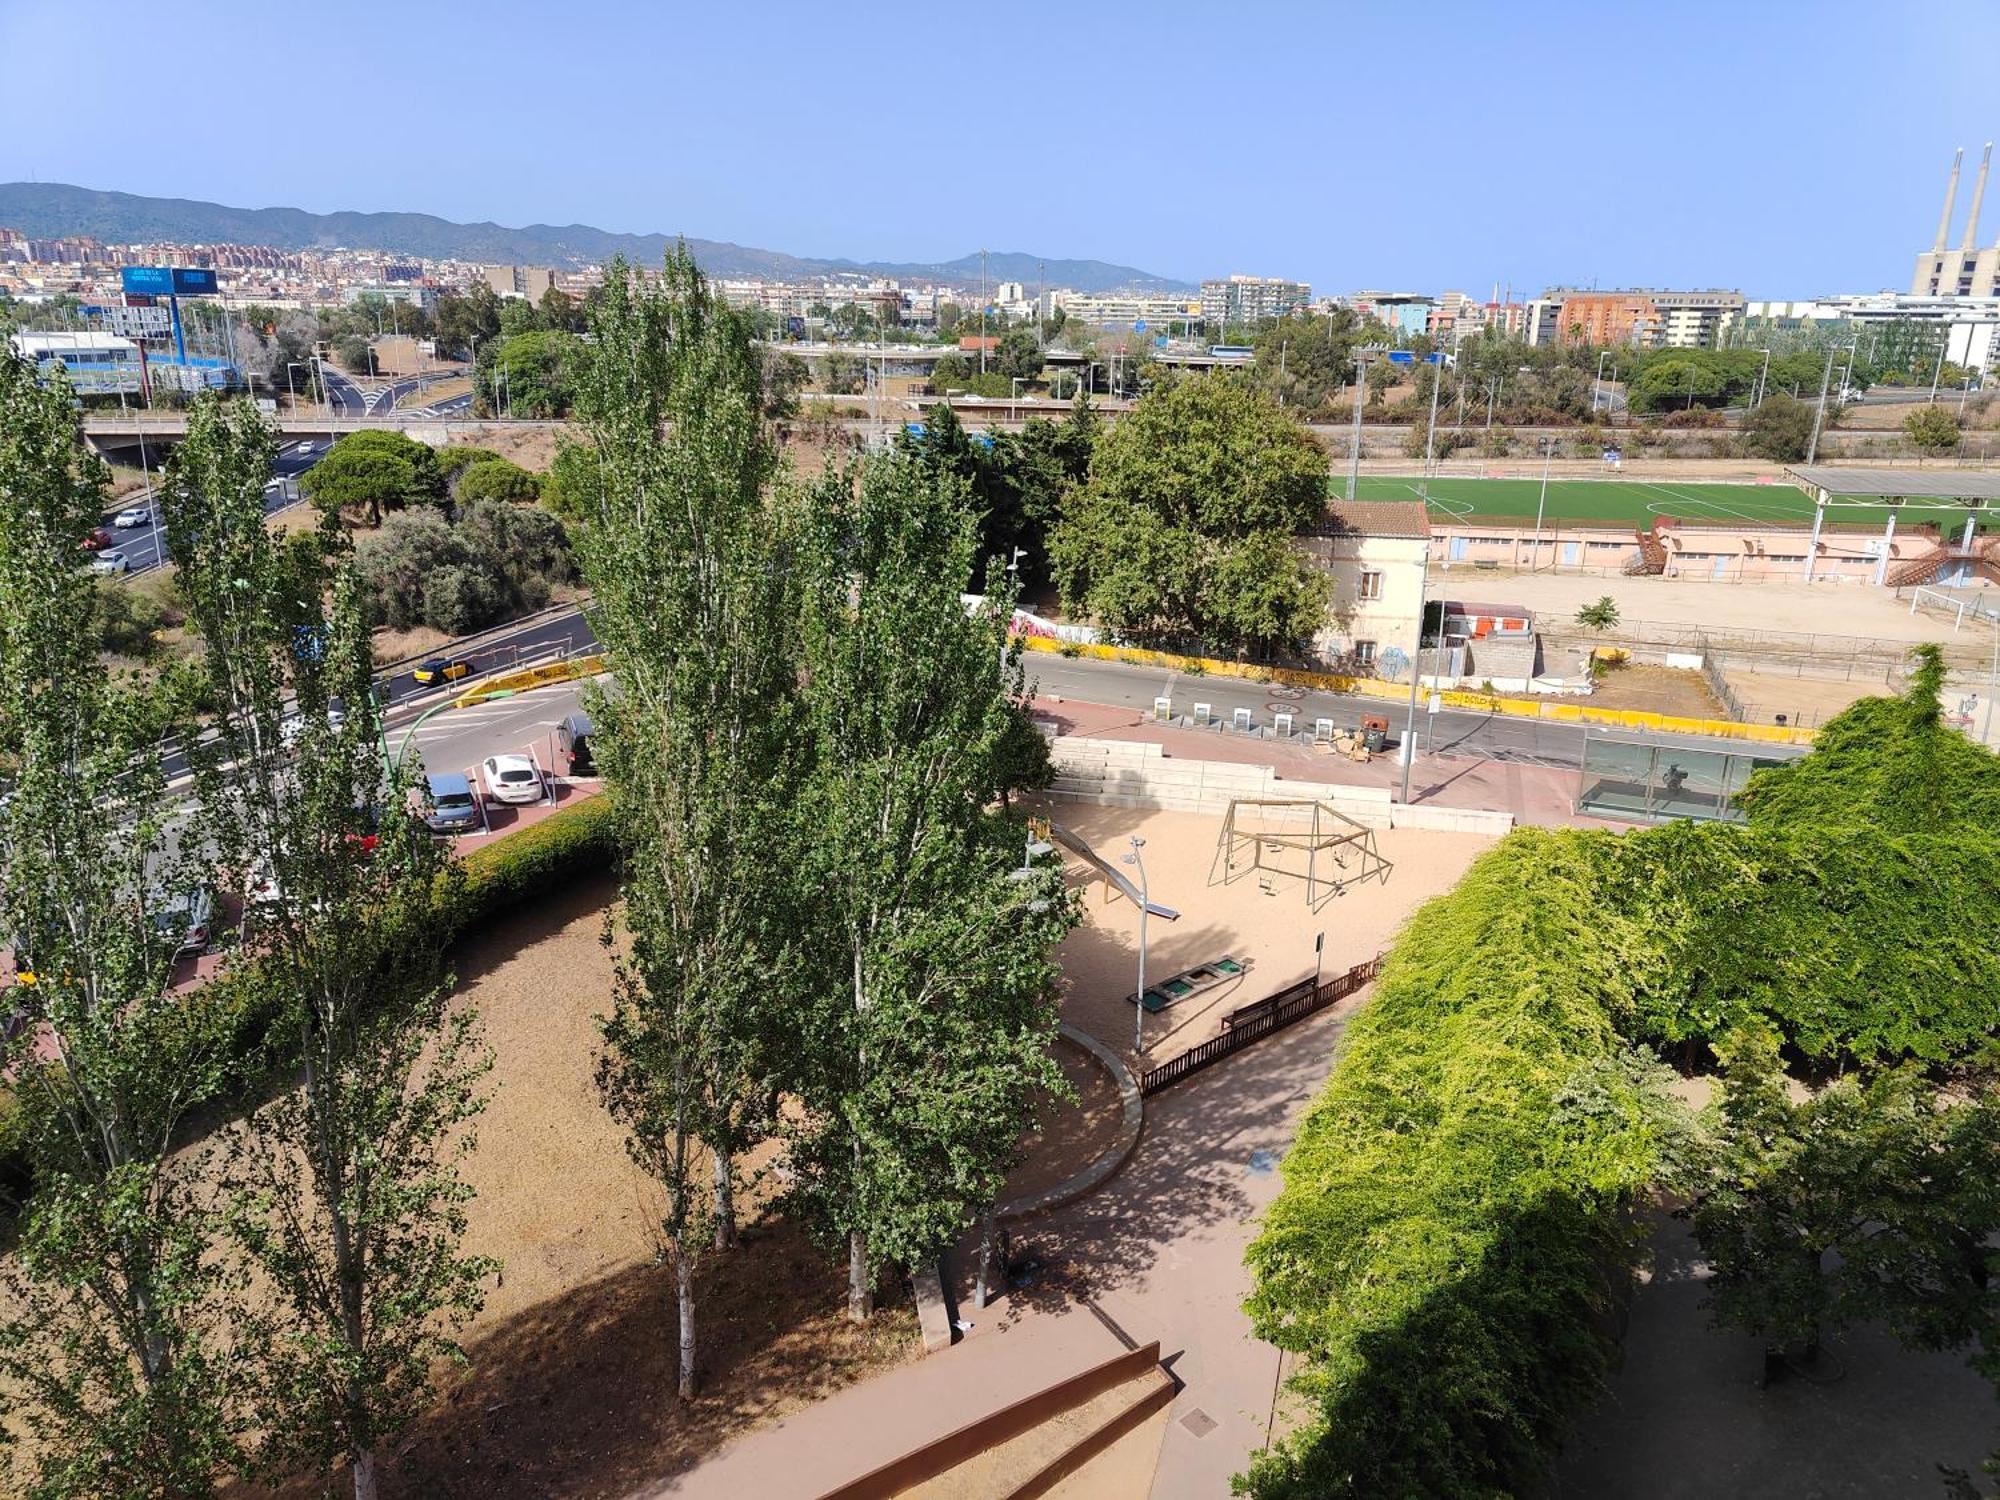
x=495, y=562
x=1934, y=429
x=452, y=462
x=497, y=479
x=527, y=865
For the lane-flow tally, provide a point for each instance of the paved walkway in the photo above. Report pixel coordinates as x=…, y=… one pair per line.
x=1157, y=1253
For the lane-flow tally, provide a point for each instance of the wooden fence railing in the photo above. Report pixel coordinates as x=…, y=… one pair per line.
x=1252, y=1023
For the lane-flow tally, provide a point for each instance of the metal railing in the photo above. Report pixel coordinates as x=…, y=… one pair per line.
x=1250, y=1024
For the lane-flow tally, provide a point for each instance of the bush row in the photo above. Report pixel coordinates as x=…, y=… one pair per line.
x=1438, y=1250
x=1459, y=1200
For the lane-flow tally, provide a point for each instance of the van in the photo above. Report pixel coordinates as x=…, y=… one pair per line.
x=573, y=745
x=453, y=808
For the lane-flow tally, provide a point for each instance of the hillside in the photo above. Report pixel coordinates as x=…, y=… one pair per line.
x=49, y=209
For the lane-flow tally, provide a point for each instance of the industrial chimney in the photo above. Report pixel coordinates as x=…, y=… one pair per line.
x=1978, y=193
x=1950, y=198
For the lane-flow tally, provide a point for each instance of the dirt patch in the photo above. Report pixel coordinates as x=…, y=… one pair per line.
x=402, y=645
x=570, y=1384
x=533, y=448
x=1660, y=690
x=1068, y=1134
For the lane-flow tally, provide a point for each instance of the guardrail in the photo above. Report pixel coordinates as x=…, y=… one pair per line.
x=1275, y=1012
x=565, y=668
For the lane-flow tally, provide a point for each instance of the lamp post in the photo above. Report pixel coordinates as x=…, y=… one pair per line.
x=1361, y=357
x=1598, y=379
x=1763, y=375
x=1014, y=397
x=1136, y=860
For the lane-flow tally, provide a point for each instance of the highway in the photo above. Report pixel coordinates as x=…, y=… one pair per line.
x=143, y=547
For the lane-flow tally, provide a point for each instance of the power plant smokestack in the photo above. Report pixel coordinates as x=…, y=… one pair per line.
x=1950, y=198
x=1978, y=193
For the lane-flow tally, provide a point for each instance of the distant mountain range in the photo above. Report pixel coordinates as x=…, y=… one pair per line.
x=47, y=210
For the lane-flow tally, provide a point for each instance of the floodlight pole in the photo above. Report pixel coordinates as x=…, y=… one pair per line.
x=1819, y=411
x=1416, y=673
x=1361, y=357
x=1535, y=552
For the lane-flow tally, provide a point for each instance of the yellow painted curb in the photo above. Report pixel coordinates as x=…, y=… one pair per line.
x=532, y=677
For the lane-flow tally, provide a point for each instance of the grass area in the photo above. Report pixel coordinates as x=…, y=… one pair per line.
x=1636, y=502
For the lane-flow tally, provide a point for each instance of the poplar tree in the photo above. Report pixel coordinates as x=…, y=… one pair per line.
x=346, y=1193
x=693, y=602
x=114, y=1340
x=930, y=1031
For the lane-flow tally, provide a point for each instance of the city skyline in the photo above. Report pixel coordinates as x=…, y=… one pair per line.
x=1613, y=150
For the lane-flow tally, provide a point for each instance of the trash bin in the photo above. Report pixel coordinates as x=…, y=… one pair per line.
x=1374, y=732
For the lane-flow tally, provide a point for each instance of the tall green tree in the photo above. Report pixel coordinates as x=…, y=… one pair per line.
x=376, y=471
x=694, y=602
x=114, y=1342
x=1183, y=531
x=346, y=1195
x=928, y=1031
x=1871, y=1199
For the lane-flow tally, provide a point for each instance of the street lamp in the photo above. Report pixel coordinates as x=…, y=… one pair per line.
x=1598, y=380
x=1014, y=397
x=1535, y=552
x=1139, y=1000
x=1416, y=671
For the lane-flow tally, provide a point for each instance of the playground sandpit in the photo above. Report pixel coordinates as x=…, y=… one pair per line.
x=1260, y=921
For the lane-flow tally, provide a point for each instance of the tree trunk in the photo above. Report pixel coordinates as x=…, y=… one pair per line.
x=364, y=1474
x=684, y=1287
x=982, y=1289
x=725, y=1203
x=860, y=1295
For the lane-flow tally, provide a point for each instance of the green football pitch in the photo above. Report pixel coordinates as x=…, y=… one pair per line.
x=1636, y=502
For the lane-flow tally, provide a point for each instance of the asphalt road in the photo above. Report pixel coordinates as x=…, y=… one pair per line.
x=143, y=546
x=1116, y=684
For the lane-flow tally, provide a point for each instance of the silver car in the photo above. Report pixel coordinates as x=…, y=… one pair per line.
x=112, y=562
x=184, y=919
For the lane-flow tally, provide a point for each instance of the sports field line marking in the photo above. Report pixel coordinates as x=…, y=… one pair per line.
x=1704, y=506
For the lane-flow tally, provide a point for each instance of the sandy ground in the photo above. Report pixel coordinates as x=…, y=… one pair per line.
x=532, y=448
x=1665, y=690
x=1802, y=700
x=1860, y=613
x=1271, y=935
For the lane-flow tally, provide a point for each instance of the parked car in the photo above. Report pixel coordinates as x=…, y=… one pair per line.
x=453, y=807
x=133, y=515
x=512, y=778
x=184, y=920
x=111, y=562
x=447, y=668
x=573, y=745
x=95, y=540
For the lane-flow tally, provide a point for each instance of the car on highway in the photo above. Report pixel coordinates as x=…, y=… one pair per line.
x=133, y=515
x=184, y=919
x=447, y=668
x=303, y=449
x=112, y=562
x=95, y=540
x=453, y=807
x=512, y=778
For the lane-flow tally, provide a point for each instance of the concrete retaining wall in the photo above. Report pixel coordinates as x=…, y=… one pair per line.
x=1124, y=773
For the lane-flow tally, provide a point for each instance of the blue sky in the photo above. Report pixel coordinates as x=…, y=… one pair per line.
x=1784, y=148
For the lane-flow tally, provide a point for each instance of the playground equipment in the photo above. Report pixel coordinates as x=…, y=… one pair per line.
x=1274, y=835
x=1113, y=878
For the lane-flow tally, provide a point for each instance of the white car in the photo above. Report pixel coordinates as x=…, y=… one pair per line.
x=512, y=778
x=111, y=561
x=304, y=449
x=133, y=515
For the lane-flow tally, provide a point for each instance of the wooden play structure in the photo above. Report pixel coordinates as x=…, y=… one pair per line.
x=1301, y=838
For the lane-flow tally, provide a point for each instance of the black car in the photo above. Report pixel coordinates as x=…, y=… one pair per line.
x=573, y=745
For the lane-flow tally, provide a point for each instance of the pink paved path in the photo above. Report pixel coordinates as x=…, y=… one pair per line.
x=1157, y=1253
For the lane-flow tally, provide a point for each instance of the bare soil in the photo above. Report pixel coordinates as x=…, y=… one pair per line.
x=533, y=448
x=1660, y=690
x=569, y=1388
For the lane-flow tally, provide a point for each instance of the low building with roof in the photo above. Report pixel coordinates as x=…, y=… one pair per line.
x=1374, y=549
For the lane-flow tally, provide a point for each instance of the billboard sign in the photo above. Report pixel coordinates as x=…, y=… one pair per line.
x=168, y=281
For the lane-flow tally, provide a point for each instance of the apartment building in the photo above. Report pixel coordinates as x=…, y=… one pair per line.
x=1644, y=317
x=1252, y=299
x=1374, y=549
x=1126, y=309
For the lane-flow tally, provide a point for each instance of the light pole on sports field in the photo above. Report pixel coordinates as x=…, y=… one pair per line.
x=1535, y=552
x=1361, y=357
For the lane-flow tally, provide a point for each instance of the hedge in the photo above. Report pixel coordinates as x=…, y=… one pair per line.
x=1460, y=1199
x=496, y=878
x=1437, y=1251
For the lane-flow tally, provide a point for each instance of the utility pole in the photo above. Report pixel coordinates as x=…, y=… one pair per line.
x=1819, y=412
x=982, y=312
x=1430, y=433
x=1535, y=553
x=1416, y=671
